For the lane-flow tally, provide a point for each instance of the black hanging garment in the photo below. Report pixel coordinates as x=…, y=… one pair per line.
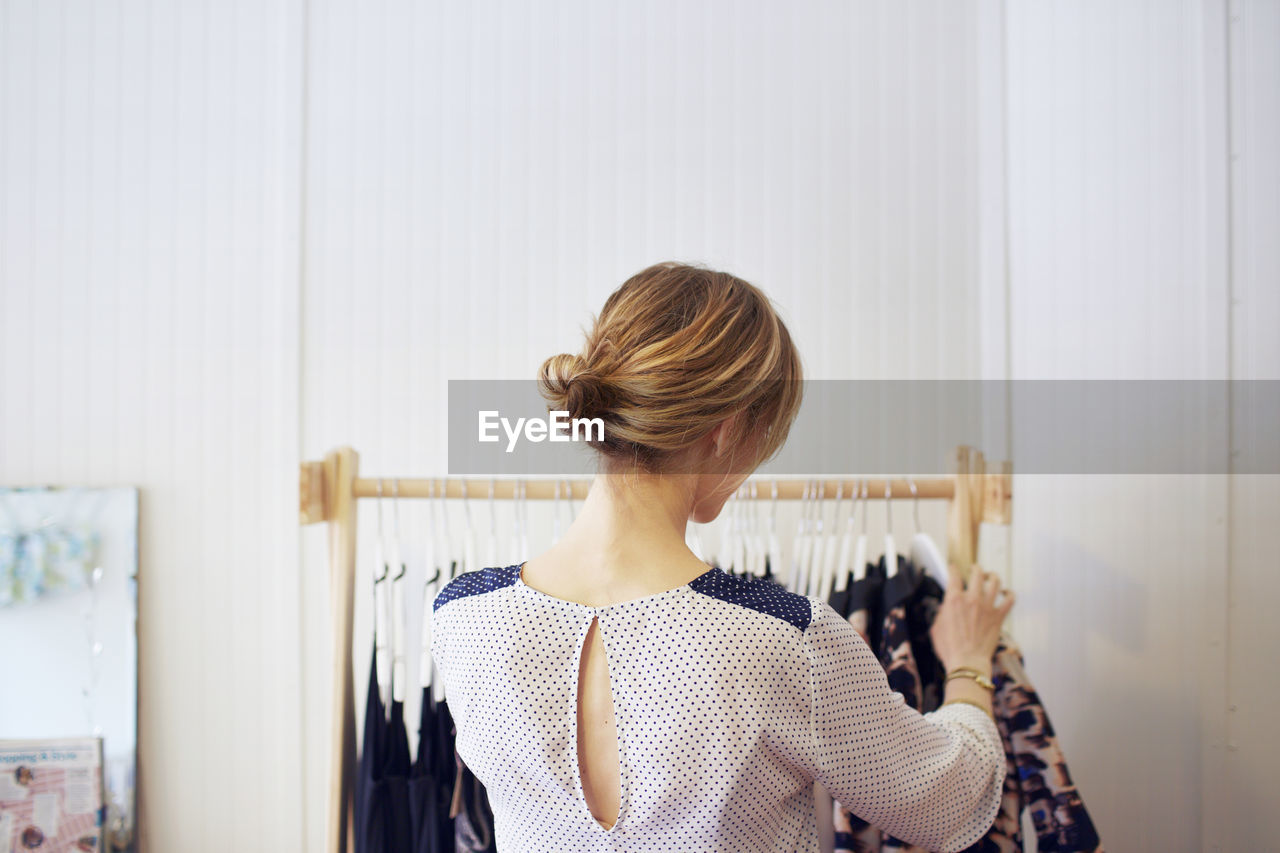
x=381, y=803
x=839, y=598
x=373, y=752
x=431, y=779
x=397, y=822
x=473, y=823
x=864, y=611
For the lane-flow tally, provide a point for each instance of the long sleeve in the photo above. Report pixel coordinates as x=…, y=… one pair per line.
x=929, y=779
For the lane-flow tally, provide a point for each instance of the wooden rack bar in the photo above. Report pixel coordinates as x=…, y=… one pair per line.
x=330, y=489
x=543, y=489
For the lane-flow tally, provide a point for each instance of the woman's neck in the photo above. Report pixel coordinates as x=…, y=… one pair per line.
x=627, y=541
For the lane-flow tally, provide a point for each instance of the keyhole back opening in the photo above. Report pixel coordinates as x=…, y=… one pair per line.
x=599, y=763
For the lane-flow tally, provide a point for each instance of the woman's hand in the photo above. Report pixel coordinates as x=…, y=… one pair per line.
x=967, y=628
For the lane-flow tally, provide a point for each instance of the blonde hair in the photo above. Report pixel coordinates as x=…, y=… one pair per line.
x=676, y=350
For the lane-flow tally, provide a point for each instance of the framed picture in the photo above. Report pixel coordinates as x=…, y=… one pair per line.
x=68, y=640
x=51, y=795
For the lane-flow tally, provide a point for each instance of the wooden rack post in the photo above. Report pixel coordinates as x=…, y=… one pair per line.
x=329, y=490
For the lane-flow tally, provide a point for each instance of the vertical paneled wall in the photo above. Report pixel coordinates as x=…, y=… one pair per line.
x=235, y=235
x=149, y=184
x=1253, y=745
x=1123, y=166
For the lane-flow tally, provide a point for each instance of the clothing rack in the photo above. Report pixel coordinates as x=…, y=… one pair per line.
x=976, y=492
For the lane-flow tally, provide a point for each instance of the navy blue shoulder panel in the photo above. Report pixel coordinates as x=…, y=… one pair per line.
x=762, y=594
x=475, y=583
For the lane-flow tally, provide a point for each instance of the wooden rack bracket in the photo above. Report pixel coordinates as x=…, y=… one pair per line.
x=312, y=493
x=328, y=494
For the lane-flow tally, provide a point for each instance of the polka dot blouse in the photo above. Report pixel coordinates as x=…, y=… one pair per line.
x=731, y=696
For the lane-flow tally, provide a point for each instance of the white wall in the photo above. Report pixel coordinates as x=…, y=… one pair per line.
x=149, y=292
x=1142, y=620
x=1253, y=743
x=263, y=230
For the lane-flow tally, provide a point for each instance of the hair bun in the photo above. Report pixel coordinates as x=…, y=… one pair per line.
x=569, y=384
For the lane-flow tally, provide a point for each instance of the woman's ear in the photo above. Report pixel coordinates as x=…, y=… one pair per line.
x=720, y=435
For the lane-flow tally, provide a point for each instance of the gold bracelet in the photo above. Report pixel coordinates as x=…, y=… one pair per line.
x=966, y=672
x=970, y=702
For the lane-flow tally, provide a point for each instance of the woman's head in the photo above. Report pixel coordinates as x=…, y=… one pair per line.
x=691, y=370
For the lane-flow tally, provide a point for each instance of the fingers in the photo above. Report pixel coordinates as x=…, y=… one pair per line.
x=986, y=587
x=955, y=582
x=979, y=582
x=990, y=587
x=982, y=585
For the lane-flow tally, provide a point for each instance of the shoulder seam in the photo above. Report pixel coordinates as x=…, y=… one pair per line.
x=478, y=582
x=759, y=594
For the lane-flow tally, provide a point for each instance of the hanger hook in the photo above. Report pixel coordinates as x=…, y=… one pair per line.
x=814, y=506
x=381, y=538
x=888, y=497
x=395, y=514
x=915, y=509
x=818, y=511
x=431, y=516
x=440, y=496
x=522, y=505
x=431, y=530
x=395, y=507
x=804, y=505
x=864, y=506
x=773, y=507
x=466, y=504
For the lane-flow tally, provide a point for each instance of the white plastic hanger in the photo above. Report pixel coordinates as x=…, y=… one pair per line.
x=491, y=543
x=738, y=553
x=817, y=553
x=555, y=516
x=398, y=671
x=726, y=546
x=522, y=542
x=924, y=551
x=469, y=540
x=843, y=566
x=694, y=541
x=774, y=547
x=757, y=549
x=860, y=546
x=742, y=546
x=447, y=564
x=890, y=550
x=381, y=609
x=430, y=588
x=447, y=551
x=513, y=549
x=812, y=523
x=831, y=553
x=796, y=582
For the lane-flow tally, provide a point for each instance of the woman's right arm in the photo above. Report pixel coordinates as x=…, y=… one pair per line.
x=966, y=631
x=929, y=779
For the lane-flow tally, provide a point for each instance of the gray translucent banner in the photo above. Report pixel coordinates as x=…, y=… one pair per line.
x=897, y=427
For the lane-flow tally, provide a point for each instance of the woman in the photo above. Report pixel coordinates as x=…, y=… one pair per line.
x=613, y=693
